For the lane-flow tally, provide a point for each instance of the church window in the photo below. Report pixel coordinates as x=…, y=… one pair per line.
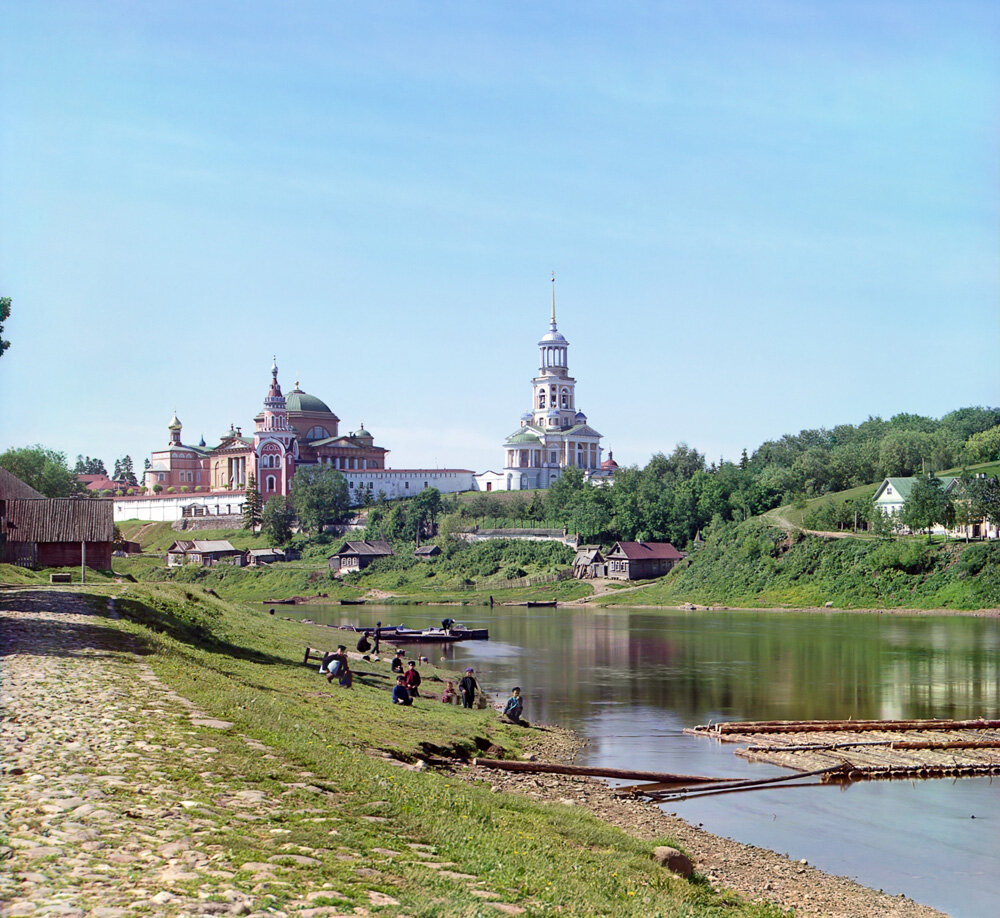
x=565, y=399
x=541, y=399
x=270, y=482
x=350, y=484
x=406, y=485
x=159, y=476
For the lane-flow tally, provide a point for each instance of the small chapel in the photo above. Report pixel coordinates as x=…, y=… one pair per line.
x=554, y=433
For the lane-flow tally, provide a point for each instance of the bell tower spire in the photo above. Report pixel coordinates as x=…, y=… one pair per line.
x=553, y=323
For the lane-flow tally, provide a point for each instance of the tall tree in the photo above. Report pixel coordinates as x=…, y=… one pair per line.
x=926, y=504
x=319, y=495
x=125, y=470
x=85, y=465
x=44, y=469
x=4, y=316
x=251, y=505
x=276, y=519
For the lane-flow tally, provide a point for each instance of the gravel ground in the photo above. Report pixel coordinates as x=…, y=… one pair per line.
x=755, y=873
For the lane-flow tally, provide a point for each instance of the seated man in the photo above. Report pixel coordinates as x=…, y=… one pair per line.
x=400, y=695
x=336, y=666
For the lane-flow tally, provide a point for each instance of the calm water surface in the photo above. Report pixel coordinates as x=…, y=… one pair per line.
x=631, y=681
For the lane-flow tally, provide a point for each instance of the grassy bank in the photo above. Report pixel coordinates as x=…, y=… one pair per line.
x=467, y=574
x=246, y=668
x=755, y=565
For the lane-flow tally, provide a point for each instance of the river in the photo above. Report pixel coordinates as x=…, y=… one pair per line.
x=632, y=680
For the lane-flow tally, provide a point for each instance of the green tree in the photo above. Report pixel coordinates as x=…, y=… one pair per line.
x=125, y=470
x=926, y=505
x=4, y=316
x=43, y=469
x=88, y=466
x=276, y=519
x=251, y=505
x=319, y=495
x=983, y=446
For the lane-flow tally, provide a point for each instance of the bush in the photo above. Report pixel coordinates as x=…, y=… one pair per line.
x=171, y=490
x=977, y=557
x=157, y=488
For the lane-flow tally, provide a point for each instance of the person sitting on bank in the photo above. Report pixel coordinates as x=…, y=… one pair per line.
x=397, y=661
x=412, y=679
x=399, y=694
x=512, y=710
x=339, y=669
x=449, y=695
x=467, y=688
x=333, y=661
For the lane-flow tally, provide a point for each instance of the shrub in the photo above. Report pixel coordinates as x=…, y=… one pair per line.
x=171, y=490
x=157, y=488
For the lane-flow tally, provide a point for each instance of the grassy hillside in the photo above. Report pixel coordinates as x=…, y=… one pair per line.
x=753, y=564
x=246, y=668
x=464, y=573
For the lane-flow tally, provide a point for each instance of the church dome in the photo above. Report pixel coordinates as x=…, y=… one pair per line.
x=554, y=336
x=581, y=417
x=609, y=464
x=297, y=400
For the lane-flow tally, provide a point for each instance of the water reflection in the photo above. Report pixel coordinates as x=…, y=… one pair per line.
x=631, y=681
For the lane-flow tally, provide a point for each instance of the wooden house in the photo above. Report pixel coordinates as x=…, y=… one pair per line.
x=641, y=560
x=58, y=532
x=356, y=556
x=426, y=552
x=258, y=557
x=208, y=553
x=589, y=563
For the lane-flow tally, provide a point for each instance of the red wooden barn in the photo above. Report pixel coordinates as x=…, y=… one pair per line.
x=42, y=532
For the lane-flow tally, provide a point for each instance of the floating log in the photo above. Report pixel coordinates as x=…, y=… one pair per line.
x=758, y=782
x=843, y=726
x=946, y=744
x=594, y=772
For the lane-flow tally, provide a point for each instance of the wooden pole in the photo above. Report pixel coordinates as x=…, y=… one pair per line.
x=83, y=562
x=594, y=772
x=756, y=782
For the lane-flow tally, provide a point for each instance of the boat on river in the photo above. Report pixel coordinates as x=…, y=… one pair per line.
x=400, y=634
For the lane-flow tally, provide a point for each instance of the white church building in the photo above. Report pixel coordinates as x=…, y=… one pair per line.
x=554, y=433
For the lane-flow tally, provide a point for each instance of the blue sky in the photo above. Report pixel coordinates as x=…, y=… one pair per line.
x=762, y=217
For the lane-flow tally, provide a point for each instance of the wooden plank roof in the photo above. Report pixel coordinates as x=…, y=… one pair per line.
x=64, y=519
x=11, y=487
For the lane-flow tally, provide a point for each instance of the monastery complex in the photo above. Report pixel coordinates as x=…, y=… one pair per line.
x=298, y=429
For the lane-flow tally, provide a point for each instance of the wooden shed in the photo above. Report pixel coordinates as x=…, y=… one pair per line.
x=356, y=556
x=57, y=532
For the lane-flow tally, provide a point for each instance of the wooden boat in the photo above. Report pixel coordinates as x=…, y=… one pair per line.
x=538, y=604
x=427, y=636
x=352, y=602
x=470, y=634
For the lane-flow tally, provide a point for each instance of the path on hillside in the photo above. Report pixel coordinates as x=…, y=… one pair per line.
x=117, y=800
x=776, y=518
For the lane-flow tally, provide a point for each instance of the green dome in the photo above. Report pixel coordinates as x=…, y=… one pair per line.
x=297, y=400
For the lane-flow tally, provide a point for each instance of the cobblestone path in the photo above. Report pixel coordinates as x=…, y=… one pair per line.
x=114, y=802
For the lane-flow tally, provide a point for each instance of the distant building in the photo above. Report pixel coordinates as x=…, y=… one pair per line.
x=289, y=432
x=207, y=553
x=641, y=560
x=426, y=552
x=891, y=496
x=554, y=433
x=589, y=563
x=356, y=556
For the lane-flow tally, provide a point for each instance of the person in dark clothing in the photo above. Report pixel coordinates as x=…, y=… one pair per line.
x=399, y=694
x=364, y=645
x=467, y=688
x=397, y=661
x=512, y=710
x=412, y=679
x=338, y=667
x=446, y=623
x=377, y=638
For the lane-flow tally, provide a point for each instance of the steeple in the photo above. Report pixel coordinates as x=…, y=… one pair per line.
x=552, y=326
x=175, y=430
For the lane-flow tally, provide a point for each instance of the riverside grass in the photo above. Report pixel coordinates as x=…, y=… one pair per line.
x=755, y=565
x=244, y=667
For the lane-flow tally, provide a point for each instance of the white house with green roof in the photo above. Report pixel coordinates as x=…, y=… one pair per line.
x=554, y=433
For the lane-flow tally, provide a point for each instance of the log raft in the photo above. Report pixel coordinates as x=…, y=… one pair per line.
x=868, y=749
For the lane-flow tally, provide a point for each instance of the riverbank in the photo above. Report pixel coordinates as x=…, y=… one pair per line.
x=296, y=798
